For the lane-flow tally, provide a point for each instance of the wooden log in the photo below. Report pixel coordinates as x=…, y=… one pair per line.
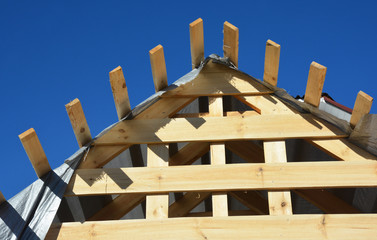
x=230, y=47
x=34, y=151
x=314, y=86
x=197, y=42
x=120, y=93
x=78, y=121
x=219, y=129
x=160, y=77
x=363, y=104
x=220, y=178
x=157, y=206
x=271, y=63
x=311, y=227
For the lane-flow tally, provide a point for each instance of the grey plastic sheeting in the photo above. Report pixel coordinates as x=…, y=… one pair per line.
x=29, y=214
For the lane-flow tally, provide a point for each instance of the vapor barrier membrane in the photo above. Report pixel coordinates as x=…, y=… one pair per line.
x=29, y=214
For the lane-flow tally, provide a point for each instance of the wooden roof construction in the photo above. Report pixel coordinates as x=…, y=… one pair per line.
x=263, y=183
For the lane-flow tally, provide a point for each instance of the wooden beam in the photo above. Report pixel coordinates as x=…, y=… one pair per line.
x=2, y=198
x=279, y=202
x=98, y=156
x=160, y=77
x=231, y=213
x=220, y=178
x=271, y=63
x=78, y=121
x=266, y=104
x=189, y=201
x=189, y=153
x=216, y=84
x=219, y=129
x=120, y=93
x=342, y=149
x=363, y=104
x=157, y=206
x=225, y=114
x=253, y=200
x=34, y=151
x=314, y=86
x=311, y=227
x=217, y=153
x=197, y=42
x=230, y=47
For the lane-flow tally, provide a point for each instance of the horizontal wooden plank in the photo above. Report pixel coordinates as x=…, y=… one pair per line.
x=215, y=129
x=315, y=227
x=224, y=82
x=229, y=177
x=206, y=114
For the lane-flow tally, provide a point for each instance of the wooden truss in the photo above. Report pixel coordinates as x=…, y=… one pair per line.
x=161, y=125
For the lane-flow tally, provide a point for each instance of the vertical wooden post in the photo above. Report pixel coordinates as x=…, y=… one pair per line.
x=230, y=47
x=217, y=151
x=362, y=106
x=271, y=63
x=34, y=151
x=78, y=121
x=197, y=42
x=279, y=201
x=314, y=87
x=120, y=93
x=157, y=206
x=160, y=77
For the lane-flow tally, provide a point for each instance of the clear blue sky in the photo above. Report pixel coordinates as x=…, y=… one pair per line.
x=52, y=52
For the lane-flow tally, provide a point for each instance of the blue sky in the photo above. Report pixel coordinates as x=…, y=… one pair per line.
x=53, y=52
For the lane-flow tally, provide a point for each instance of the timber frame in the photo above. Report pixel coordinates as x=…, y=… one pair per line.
x=270, y=122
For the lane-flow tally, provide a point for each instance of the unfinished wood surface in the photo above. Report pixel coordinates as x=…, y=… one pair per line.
x=217, y=84
x=118, y=207
x=196, y=42
x=189, y=201
x=231, y=213
x=189, y=153
x=326, y=201
x=225, y=114
x=267, y=104
x=248, y=151
x=311, y=227
x=253, y=200
x=362, y=106
x=120, y=93
x=220, y=178
x=343, y=150
x=34, y=151
x=314, y=86
x=2, y=198
x=217, y=153
x=98, y=156
x=219, y=129
x=271, y=63
x=230, y=47
x=279, y=202
x=78, y=121
x=157, y=206
x=160, y=77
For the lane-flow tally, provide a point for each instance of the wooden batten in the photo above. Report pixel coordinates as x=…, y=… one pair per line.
x=271, y=63
x=34, y=151
x=314, y=86
x=363, y=104
x=160, y=77
x=197, y=42
x=120, y=93
x=230, y=47
x=78, y=121
x=2, y=198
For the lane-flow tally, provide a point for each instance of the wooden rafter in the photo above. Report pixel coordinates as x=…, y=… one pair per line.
x=34, y=151
x=230, y=177
x=362, y=106
x=196, y=42
x=339, y=226
x=271, y=63
x=314, y=86
x=120, y=93
x=160, y=77
x=230, y=47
